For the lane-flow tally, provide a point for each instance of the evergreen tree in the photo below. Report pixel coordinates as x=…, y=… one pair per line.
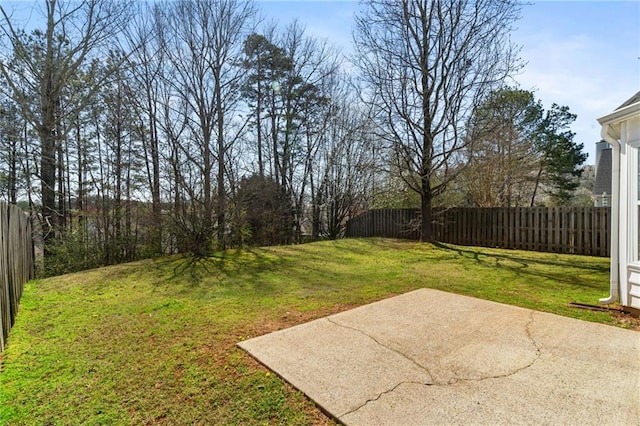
x=518, y=154
x=561, y=157
x=267, y=66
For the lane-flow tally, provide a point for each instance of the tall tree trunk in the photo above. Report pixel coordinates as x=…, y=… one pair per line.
x=207, y=220
x=535, y=187
x=221, y=207
x=13, y=166
x=130, y=246
x=80, y=202
x=178, y=238
x=118, y=163
x=274, y=141
x=47, y=183
x=259, y=123
x=60, y=167
x=156, y=207
x=152, y=162
x=48, y=98
x=426, y=197
x=60, y=192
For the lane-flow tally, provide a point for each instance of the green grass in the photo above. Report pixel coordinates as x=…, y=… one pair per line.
x=153, y=342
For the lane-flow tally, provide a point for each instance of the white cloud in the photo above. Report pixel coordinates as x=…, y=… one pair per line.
x=590, y=75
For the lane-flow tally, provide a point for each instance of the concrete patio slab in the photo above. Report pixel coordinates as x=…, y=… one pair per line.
x=430, y=357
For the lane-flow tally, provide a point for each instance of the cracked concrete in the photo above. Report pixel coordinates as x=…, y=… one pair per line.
x=399, y=352
x=429, y=357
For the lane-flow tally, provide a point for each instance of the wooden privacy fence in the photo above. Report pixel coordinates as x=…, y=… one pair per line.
x=16, y=263
x=574, y=230
x=388, y=223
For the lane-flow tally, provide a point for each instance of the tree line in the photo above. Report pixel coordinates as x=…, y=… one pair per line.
x=138, y=129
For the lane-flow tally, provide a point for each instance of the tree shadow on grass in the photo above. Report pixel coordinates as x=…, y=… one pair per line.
x=477, y=255
x=220, y=269
x=560, y=270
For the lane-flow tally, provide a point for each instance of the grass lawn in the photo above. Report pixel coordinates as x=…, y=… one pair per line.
x=153, y=342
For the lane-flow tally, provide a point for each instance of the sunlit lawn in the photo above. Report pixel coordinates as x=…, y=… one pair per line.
x=153, y=342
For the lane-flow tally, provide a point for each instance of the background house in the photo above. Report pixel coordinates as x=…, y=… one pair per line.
x=602, y=186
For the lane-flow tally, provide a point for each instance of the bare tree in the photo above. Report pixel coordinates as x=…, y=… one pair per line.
x=148, y=68
x=344, y=167
x=203, y=43
x=425, y=64
x=300, y=111
x=45, y=62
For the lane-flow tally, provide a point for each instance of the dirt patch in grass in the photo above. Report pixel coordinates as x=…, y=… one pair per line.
x=233, y=365
x=290, y=317
x=628, y=321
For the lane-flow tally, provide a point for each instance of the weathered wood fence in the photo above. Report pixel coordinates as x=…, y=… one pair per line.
x=575, y=230
x=16, y=263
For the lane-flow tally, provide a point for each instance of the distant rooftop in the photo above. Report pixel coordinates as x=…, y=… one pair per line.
x=634, y=99
x=603, y=173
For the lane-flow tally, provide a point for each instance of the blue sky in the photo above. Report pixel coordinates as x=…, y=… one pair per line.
x=583, y=54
